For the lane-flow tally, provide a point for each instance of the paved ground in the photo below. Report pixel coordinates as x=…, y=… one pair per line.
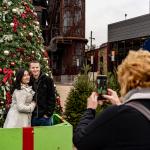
x=63, y=90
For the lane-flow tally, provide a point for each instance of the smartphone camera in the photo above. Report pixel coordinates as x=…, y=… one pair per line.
x=101, y=83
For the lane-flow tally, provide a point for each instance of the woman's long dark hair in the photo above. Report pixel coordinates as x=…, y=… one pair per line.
x=17, y=83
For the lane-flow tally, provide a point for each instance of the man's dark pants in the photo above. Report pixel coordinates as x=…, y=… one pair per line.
x=40, y=121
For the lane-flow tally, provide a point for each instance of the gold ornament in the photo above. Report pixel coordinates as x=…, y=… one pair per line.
x=14, y=10
x=31, y=34
x=12, y=24
x=6, y=52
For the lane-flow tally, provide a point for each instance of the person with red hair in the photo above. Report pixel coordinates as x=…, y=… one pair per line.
x=125, y=125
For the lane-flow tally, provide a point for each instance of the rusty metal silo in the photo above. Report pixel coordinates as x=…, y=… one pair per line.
x=65, y=36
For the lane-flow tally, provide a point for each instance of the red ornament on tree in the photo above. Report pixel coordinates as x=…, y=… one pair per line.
x=1, y=70
x=21, y=50
x=24, y=15
x=12, y=64
x=45, y=54
x=8, y=99
x=16, y=24
x=24, y=26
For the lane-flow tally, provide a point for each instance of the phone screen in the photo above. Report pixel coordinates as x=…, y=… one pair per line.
x=101, y=86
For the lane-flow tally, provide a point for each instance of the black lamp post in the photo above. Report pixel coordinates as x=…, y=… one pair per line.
x=92, y=57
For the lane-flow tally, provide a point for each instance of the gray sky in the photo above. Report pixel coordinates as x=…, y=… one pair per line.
x=100, y=13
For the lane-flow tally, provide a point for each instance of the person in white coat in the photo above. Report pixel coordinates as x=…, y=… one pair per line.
x=19, y=114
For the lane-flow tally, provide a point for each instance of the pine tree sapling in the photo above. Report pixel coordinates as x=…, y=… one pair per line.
x=20, y=42
x=77, y=98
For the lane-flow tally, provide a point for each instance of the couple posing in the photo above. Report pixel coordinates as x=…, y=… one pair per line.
x=33, y=99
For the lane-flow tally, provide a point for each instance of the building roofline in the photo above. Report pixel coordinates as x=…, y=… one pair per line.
x=131, y=19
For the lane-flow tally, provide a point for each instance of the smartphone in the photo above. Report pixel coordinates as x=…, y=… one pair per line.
x=101, y=83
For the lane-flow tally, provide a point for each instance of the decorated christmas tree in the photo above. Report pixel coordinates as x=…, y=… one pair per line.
x=20, y=43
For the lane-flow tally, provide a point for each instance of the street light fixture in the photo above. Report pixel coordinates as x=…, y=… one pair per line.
x=92, y=57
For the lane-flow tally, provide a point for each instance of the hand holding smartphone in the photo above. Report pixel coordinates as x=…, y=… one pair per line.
x=101, y=83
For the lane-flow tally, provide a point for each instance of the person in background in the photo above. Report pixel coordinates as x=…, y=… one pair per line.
x=19, y=114
x=120, y=126
x=44, y=96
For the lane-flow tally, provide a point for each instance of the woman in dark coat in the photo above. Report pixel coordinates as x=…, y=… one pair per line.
x=120, y=126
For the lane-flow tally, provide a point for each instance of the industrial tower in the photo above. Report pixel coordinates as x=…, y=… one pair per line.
x=63, y=29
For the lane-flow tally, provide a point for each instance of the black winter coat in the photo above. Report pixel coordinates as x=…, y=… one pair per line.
x=117, y=128
x=44, y=96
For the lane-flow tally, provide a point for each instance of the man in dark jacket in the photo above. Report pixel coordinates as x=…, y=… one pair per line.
x=44, y=96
